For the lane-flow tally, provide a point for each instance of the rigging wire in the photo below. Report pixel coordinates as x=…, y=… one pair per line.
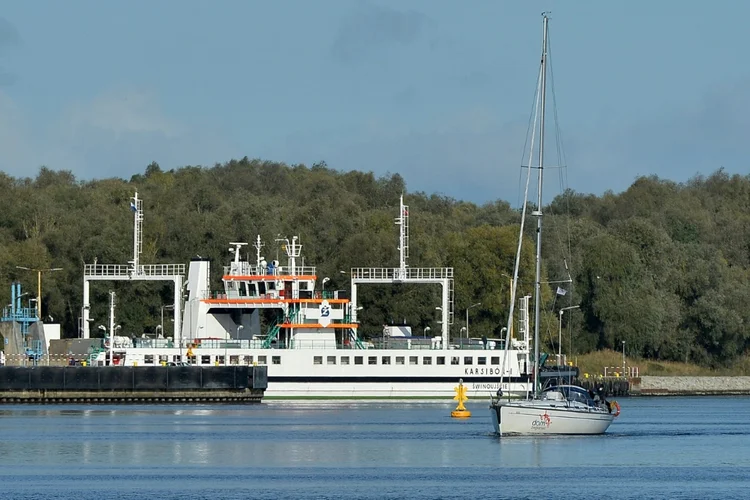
x=566, y=247
x=530, y=127
x=514, y=285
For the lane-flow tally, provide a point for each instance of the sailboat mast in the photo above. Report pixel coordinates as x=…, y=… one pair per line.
x=538, y=212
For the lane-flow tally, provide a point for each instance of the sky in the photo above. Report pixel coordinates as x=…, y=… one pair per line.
x=438, y=91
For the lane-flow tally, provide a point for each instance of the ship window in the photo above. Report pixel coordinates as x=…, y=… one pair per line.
x=399, y=360
x=426, y=360
x=205, y=360
x=148, y=359
x=220, y=360
x=454, y=360
x=317, y=360
x=344, y=360
x=163, y=359
x=262, y=360
x=372, y=360
x=331, y=360
x=468, y=360
x=413, y=360
x=440, y=360
x=248, y=360
x=358, y=360
x=275, y=360
x=177, y=359
x=386, y=360
x=482, y=361
x=495, y=360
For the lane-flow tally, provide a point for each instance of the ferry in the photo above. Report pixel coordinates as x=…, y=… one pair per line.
x=311, y=346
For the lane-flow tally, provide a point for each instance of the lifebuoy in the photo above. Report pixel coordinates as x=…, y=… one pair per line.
x=614, y=405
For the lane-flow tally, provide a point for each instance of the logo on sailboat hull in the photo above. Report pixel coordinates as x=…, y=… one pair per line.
x=543, y=422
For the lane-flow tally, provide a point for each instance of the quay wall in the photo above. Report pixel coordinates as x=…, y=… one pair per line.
x=689, y=386
x=71, y=384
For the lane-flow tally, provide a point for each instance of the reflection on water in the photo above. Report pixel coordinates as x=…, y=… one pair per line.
x=383, y=449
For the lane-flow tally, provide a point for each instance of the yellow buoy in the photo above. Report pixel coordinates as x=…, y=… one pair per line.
x=460, y=411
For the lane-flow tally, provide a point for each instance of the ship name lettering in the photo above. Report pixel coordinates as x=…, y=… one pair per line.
x=482, y=371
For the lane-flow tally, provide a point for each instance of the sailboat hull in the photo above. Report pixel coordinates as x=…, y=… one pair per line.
x=543, y=418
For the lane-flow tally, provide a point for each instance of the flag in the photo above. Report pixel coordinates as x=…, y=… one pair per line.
x=406, y=211
x=132, y=207
x=561, y=291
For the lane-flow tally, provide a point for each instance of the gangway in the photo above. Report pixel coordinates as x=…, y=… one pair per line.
x=404, y=274
x=134, y=271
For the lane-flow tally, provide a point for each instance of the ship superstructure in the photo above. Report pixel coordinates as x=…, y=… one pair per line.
x=280, y=314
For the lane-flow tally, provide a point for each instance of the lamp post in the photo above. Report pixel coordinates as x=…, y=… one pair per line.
x=226, y=357
x=623, y=359
x=323, y=286
x=559, y=332
x=467, y=318
x=39, y=283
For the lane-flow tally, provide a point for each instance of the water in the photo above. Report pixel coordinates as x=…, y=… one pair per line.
x=657, y=448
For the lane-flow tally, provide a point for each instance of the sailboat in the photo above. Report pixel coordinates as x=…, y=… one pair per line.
x=559, y=409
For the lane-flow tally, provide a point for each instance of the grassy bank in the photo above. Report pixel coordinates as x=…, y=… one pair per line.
x=594, y=363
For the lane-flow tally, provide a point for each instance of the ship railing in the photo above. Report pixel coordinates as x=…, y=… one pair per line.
x=247, y=269
x=124, y=270
x=395, y=273
x=150, y=343
x=329, y=294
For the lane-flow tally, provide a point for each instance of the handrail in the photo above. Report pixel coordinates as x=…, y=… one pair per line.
x=389, y=273
x=124, y=270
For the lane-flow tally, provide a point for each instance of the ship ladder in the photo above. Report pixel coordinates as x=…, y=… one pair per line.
x=357, y=342
x=275, y=329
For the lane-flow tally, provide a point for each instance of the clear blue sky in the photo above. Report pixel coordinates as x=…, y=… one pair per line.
x=439, y=91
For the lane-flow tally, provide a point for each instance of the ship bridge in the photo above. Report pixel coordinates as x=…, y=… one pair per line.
x=250, y=288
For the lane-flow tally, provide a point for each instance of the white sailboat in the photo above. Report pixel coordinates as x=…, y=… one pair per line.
x=563, y=409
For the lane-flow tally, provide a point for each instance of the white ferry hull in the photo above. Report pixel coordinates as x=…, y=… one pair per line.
x=385, y=390
x=541, y=418
x=293, y=373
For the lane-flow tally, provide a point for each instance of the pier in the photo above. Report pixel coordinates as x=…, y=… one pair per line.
x=612, y=386
x=135, y=384
x=668, y=386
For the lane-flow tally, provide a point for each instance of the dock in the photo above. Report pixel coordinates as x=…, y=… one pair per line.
x=132, y=384
x=612, y=386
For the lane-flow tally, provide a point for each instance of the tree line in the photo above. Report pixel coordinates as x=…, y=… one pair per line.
x=662, y=266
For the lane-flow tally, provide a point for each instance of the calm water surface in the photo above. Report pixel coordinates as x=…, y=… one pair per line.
x=657, y=448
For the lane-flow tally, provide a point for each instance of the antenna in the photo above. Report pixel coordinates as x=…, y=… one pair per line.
x=258, y=245
x=136, y=205
x=236, y=250
x=403, y=239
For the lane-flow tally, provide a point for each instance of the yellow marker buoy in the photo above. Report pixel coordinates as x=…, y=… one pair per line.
x=460, y=411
